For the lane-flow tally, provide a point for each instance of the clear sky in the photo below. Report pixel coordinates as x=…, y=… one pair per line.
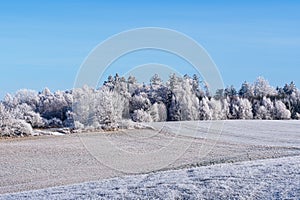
x=43, y=43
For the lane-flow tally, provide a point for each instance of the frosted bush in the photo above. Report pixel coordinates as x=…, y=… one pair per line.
x=141, y=116
x=10, y=126
x=21, y=128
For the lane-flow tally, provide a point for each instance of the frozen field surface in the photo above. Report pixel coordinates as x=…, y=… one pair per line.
x=262, y=179
x=211, y=158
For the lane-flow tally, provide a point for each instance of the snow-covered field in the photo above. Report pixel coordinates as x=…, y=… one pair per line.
x=210, y=158
x=262, y=179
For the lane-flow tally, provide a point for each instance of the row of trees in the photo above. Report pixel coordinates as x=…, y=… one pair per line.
x=179, y=99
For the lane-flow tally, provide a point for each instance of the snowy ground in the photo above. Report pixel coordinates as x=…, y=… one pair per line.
x=262, y=179
x=48, y=161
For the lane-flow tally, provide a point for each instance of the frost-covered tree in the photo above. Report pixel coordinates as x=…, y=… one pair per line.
x=219, y=94
x=217, y=109
x=108, y=108
x=24, y=96
x=174, y=82
x=23, y=106
x=174, y=110
x=185, y=103
x=155, y=81
x=142, y=108
x=141, y=116
x=97, y=109
x=140, y=102
x=262, y=88
x=281, y=112
x=233, y=107
x=26, y=113
x=264, y=110
x=289, y=89
x=132, y=85
x=230, y=91
x=158, y=112
x=213, y=109
x=206, y=87
x=188, y=101
x=204, y=110
x=158, y=92
x=290, y=96
x=162, y=112
x=9, y=126
x=83, y=106
x=246, y=91
x=244, y=109
x=54, y=105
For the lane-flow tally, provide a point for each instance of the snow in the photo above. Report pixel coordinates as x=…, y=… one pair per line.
x=219, y=159
x=46, y=132
x=283, y=133
x=261, y=179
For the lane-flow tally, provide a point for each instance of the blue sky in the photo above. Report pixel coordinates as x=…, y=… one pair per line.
x=43, y=43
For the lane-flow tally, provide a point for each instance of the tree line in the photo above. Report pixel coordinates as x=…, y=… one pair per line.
x=119, y=99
